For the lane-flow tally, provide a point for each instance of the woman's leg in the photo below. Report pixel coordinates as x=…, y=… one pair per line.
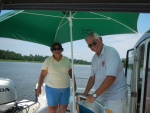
x=52, y=109
x=64, y=100
x=52, y=95
x=62, y=108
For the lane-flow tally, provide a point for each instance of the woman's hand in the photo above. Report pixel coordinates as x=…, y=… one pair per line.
x=38, y=91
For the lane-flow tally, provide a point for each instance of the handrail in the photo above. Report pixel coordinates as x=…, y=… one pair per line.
x=84, y=97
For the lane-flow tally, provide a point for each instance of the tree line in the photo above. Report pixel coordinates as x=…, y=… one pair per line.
x=10, y=55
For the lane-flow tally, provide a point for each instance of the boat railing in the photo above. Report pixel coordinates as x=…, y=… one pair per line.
x=105, y=109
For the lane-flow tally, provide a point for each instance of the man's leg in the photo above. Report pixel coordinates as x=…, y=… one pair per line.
x=96, y=108
x=118, y=106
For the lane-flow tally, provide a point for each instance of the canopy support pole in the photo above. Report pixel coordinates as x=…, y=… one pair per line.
x=72, y=61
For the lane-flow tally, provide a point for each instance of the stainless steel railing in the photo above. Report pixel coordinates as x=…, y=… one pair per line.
x=81, y=97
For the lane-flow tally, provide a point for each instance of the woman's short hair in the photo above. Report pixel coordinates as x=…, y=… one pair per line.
x=56, y=44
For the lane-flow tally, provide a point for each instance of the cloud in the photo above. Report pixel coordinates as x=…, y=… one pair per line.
x=80, y=50
x=121, y=43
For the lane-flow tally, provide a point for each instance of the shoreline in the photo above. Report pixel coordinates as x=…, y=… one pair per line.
x=3, y=60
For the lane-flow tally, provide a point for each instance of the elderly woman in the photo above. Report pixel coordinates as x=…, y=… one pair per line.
x=58, y=70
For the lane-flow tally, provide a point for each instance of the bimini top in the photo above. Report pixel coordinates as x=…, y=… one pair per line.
x=47, y=27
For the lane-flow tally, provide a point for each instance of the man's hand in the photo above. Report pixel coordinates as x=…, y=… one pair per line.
x=90, y=98
x=85, y=94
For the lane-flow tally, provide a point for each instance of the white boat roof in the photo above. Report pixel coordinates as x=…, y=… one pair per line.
x=144, y=37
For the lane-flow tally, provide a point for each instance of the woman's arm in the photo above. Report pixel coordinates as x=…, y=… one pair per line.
x=70, y=74
x=41, y=79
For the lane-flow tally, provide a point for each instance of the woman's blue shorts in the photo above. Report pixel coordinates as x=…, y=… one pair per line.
x=57, y=96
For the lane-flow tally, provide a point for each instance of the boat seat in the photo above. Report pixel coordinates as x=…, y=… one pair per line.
x=83, y=109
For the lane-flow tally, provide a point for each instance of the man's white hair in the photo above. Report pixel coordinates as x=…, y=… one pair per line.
x=92, y=34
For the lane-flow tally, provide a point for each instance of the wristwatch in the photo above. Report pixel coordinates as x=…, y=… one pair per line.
x=94, y=95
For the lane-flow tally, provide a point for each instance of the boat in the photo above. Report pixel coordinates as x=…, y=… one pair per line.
x=137, y=73
x=137, y=70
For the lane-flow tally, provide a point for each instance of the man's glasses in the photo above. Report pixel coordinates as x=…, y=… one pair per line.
x=54, y=49
x=92, y=44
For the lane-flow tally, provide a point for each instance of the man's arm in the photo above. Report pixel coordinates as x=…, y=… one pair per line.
x=89, y=85
x=108, y=81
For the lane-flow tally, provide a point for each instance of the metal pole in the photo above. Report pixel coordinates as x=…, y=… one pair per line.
x=72, y=62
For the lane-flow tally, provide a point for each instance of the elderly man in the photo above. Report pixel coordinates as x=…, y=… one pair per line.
x=107, y=76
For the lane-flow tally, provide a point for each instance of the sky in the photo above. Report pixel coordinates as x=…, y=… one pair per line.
x=121, y=43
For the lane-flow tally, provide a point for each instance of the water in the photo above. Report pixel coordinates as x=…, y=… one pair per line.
x=25, y=76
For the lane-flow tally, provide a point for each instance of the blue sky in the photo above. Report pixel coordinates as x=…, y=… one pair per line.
x=121, y=42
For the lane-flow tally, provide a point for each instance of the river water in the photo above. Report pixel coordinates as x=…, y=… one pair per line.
x=25, y=76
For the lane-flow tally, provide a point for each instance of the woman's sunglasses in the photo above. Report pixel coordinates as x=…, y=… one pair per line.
x=54, y=49
x=92, y=44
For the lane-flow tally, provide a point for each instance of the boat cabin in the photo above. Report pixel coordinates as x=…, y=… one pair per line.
x=138, y=76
